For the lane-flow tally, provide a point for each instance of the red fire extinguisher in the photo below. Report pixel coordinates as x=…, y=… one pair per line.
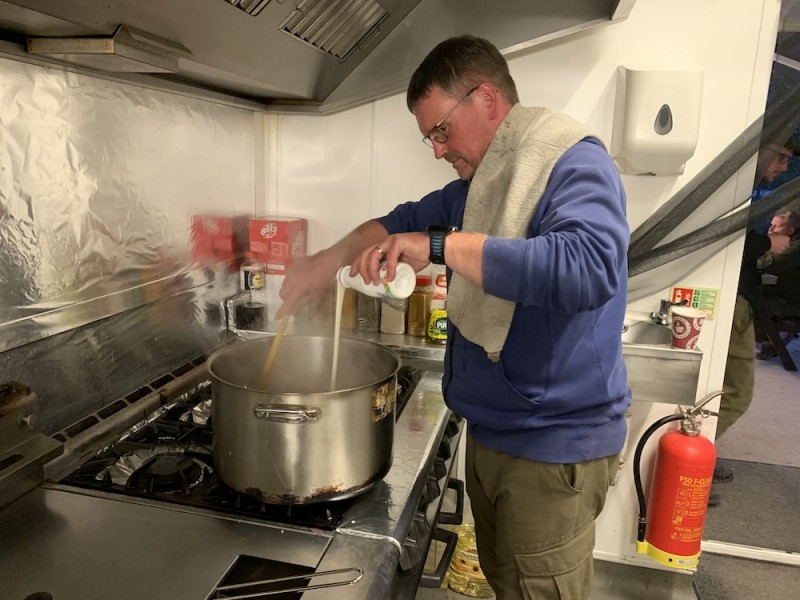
x=671, y=530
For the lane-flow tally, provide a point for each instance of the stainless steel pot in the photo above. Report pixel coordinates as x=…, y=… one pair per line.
x=293, y=440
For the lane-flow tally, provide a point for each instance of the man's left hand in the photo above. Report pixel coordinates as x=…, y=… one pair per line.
x=412, y=248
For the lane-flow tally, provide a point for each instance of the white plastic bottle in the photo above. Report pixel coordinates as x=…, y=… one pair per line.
x=400, y=287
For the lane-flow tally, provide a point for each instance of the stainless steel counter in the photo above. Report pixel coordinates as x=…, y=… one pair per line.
x=656, y=371
x=74, y=543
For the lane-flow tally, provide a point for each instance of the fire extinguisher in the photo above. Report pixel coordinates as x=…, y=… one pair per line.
x=684, y=469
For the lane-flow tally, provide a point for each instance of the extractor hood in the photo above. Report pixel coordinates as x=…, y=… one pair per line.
x=316, y=56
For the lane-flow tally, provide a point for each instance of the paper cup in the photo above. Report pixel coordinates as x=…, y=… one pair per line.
x=686, y=324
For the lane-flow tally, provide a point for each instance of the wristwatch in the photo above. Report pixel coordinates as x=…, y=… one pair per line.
x=437, y=234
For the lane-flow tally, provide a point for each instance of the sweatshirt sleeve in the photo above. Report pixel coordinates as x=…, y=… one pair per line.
x=441, y=207
x=575, y=256
x=777, y=264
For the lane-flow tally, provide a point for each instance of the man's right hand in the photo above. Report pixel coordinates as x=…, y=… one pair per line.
x=308, y=276
x=778, y=243
x=306, y=280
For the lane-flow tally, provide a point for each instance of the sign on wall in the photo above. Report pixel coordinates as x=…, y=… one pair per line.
x=705, y=299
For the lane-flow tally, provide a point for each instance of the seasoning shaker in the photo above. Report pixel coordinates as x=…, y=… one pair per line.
x=368, y=313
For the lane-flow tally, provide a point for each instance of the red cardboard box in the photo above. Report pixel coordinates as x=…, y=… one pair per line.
x=278, y=241
x=218, y=237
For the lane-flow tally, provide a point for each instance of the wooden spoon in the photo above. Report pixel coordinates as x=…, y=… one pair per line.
x=273, y=351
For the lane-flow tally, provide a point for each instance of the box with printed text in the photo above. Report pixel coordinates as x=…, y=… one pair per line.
x=278, y=241
x=216, y=237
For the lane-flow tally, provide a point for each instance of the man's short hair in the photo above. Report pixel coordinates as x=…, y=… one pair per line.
x=458, y=64
x=790, y=217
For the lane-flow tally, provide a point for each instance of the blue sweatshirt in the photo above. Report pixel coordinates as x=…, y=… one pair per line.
x=559, y=392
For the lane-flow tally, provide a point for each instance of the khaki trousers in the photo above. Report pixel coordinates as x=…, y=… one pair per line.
x=737, y=387
x=534, y=522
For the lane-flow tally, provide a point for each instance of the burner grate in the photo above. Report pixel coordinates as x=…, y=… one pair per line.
x=169, y=472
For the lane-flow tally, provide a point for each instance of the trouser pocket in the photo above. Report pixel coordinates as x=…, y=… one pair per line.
x=563, y=572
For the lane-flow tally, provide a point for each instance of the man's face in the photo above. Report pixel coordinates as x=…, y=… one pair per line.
x=466, y=128
x=779, y=164
x=781, y=226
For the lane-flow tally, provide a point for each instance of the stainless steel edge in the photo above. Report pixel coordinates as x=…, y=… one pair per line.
x=39, y=322
x=79, y=447
x=71, y=545
x=376, y=556
x=387, y=510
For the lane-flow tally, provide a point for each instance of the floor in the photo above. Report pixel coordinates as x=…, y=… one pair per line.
x=767, y=433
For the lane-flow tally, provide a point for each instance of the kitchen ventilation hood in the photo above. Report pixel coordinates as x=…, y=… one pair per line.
x=316, y=56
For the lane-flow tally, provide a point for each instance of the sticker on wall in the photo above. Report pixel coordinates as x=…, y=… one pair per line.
x=704, y=299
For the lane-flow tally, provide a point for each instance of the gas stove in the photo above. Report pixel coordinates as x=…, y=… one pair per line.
x=128, y=502
x=168, y=457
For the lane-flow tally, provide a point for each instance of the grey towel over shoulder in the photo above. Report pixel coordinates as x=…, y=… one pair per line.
x=501, y=202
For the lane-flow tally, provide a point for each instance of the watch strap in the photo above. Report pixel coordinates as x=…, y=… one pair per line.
x=437, y=235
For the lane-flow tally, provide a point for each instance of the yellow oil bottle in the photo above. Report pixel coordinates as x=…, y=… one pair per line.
x=464, y=574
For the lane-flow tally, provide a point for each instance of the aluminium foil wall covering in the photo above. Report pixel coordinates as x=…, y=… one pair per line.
x=99, y=185
x=80, y=371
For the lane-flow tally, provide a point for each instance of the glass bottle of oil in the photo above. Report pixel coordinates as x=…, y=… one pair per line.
x=419, y=307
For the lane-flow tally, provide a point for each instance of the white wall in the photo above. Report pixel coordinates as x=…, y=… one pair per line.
x=343, y=169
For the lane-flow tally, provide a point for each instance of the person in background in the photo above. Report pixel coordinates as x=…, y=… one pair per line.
x=773, y=161
x=739, y=380
x=537, y=278
x=782, y=299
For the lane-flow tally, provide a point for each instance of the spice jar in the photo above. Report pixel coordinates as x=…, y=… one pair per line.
x=393, y=318
x=349, y=309
x=368, y=313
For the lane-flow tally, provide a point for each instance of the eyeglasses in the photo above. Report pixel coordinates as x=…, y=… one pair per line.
x=782, y=154
x=439, y=132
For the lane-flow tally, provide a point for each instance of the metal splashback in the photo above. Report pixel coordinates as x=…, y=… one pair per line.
x=304, y=56
x=108, y=194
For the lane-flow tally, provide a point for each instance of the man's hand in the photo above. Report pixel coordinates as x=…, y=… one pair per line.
x=306, y=279
x=779, y=243
x=411, y=248
x=308, y=276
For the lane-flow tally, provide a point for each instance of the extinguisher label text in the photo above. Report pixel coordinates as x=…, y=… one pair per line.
x=701, y=481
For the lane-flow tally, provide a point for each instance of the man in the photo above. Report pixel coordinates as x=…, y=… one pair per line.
x=773, y=161
x=781, y=299
x=537, y=275
x=739, y=377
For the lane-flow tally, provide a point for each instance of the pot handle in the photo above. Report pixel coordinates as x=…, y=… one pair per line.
x=287, y=414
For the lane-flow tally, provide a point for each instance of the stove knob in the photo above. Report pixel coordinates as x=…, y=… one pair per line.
x=444, y=451
x=432, y=490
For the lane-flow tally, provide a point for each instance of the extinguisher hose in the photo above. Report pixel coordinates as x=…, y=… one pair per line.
x=637, y=476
